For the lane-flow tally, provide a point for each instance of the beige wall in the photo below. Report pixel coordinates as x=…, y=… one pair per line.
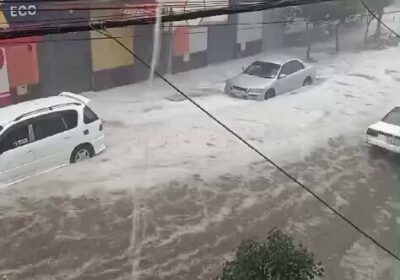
x=106, y=53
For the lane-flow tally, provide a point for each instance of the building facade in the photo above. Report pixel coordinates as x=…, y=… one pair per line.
x=88, y=61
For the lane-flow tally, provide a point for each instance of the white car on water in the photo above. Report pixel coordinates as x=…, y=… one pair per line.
x=386, y=133
x=42, y=134
x=263, y=79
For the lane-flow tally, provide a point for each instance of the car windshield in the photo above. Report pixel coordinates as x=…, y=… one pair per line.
x=263, y=69
x=393, y=117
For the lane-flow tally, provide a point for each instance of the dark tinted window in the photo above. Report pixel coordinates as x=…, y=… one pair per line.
x=48, y=125
x=286, y=69
x=291, y=67
x=262, y=69
x=296, y=66
x=89, y=116
x=15, y=137
x=393, y=117
x=70, y=118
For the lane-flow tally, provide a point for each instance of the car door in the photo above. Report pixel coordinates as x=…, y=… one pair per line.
x=16, y=153
x=73, y=135
x=285, y=81
x=297, y=73
x=92, y=124
x=50, y=140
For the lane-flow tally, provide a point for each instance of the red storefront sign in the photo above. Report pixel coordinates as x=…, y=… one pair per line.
x=22, y=60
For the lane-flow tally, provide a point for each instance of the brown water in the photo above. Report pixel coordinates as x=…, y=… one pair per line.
x=185, y=229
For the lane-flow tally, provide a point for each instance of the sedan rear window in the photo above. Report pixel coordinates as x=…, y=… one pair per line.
x=393, y=117
x=263, y=69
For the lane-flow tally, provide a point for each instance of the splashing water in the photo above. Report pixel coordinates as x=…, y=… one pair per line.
x=157, y=45
x=135, y=242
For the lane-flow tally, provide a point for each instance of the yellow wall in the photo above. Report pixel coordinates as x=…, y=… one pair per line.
x=106, y=53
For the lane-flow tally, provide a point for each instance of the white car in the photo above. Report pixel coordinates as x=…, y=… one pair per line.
x=42, y=134
x=264, y=80
x=386, y=133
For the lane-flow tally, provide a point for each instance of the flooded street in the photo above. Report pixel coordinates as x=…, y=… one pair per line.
x=185, y=229
x=173, y=195
x=160, y=171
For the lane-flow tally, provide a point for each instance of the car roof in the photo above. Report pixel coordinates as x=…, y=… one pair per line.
x=279, y=60
x=12, y=112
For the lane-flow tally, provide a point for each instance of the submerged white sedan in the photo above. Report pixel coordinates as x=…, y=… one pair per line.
x=386, y=133
x=264, y=80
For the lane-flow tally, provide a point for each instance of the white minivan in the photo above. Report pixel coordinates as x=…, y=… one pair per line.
x=42, y=134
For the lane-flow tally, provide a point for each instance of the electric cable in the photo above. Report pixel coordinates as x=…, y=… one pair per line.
x=253, y=148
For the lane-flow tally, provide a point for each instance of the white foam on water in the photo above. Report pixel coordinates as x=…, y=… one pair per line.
x=157, y=43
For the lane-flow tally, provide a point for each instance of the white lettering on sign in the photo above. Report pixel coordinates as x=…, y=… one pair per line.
x=23, y=10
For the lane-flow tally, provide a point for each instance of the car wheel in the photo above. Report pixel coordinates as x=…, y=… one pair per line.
x=82, y=153
x=269, y=94
x=307, y=82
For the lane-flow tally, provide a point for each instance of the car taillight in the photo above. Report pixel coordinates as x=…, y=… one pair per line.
x=101, y=127
x=372, y=132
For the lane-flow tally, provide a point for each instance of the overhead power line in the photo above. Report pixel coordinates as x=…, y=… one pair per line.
x=253, y=26
x=251, y=147
x=51, y=22
x=378, y=19
x=242, y=8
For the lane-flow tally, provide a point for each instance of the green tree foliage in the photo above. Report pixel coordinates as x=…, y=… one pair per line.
x=277, y=258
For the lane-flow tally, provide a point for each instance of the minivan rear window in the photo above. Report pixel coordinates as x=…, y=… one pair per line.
x=89, y=116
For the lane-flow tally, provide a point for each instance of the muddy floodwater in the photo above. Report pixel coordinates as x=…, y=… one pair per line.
x=186, y=229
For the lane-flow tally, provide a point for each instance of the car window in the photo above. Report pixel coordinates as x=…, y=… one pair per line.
x=292, y=67
x=393, y=117
x=296, y=66
x=70, y=118
x=262, y=69
x=286, y=69
x=47, y=125
x=89, y=116
x=14, y=137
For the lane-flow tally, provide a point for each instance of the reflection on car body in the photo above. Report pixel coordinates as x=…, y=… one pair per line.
x=263, y=80
x=46, y=133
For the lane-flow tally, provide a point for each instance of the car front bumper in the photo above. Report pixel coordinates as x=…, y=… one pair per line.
x=244, y=95
x=382, y=144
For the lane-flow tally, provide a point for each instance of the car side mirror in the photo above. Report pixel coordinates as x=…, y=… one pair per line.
x=281, y=76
